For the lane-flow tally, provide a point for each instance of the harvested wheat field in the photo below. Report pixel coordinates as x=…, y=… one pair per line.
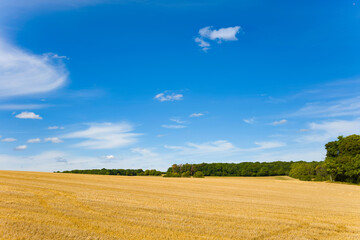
x=65, y=206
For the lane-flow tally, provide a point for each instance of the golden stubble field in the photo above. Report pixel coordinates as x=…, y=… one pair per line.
x=65, y=206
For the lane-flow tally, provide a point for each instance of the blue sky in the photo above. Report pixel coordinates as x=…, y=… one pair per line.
x=144, y=84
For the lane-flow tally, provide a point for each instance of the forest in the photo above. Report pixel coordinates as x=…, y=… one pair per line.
x=342, y=164
x=121, y=172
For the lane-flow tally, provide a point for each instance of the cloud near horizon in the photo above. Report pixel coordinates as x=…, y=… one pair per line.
x=330, y=130
x=221, y=146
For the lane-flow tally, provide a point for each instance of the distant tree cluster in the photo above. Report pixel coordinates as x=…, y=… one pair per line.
x=230, y=169
x=122, y=172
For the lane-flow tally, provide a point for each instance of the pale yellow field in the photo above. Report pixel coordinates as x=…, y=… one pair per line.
x=66, y=206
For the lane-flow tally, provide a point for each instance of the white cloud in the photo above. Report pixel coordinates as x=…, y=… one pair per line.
x=105, y=136
x=203, y=44
x=20, y=148
x=168, y=96
x=268, y=145
x=28, y=115
x=23, y=73
x=283, y=121
x=249, y=121
x=222, y=34
x=109, y=157
x=34, y=140
x=196, y=115
x=55, y=56
x=55, y=127
x=53, y=140
x=144, y=152
x=177, y=120
x=9, y=140
x=173, y=126
x=330, y=130
x=226, y=34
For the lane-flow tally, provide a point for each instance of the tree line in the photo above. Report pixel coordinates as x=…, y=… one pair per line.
x=121, y=172
x=231, y=169
x=342, y=163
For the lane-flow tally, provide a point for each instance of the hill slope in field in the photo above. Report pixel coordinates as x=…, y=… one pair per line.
x=65, y=206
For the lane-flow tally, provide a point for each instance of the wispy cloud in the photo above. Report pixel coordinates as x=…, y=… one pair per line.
x=267, y=145
x=48, y=161
x=221, y=146
x=219, y=35
x=144, y=152
x=280, y=122
x=105, y=136
x=34, y=140
x=53, y=140
x=330, y=130
x=55, y=56
x=202, y=43
x=168, y=96
x=55, y=127
x=204, y=148
x=20, y=148
x=22, y=73
x=249, y=120
x=304, y=130
x=28, y=115
x=338, y=108
x=8, y=140
x=177, y=120
x=109, y=157
x=173, y=126
x=22, y=106
x=196, y=115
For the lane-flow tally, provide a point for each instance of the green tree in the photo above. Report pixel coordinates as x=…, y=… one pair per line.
x=342, y=159
x=198, y=174
x=186, y=174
